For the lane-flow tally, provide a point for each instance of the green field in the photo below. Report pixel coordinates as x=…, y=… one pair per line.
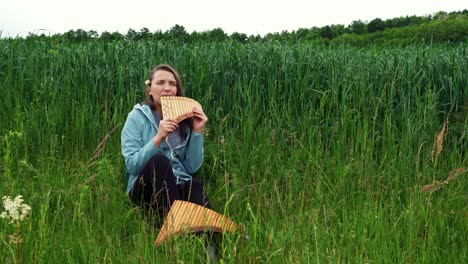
x=320, y=152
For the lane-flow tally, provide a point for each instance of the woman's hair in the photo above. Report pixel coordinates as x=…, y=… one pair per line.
x=187, y=123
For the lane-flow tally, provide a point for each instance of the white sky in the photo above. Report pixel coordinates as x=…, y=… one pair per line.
x=19, y=17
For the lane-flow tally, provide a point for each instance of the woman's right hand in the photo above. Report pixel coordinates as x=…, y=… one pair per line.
x=166, y=126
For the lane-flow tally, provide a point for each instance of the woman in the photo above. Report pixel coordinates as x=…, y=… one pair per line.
x=161, y=155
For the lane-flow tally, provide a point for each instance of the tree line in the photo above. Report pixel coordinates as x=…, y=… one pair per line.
x=436, y=28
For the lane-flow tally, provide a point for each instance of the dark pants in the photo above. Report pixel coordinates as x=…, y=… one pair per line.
x=156, y=187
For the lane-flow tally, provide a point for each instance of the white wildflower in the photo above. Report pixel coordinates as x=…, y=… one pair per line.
x=15, y=210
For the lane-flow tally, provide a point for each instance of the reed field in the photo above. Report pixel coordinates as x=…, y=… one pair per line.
x=323, y=154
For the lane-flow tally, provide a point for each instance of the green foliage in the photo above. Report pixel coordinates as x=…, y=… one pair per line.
x=178, y=32
x=358, y=27
x=436, y=31
x=327, y=32
x=108, y=36
x=376, y=25
x=443, y=27
x=239, y=37
x=319, y=151
x=216, y=34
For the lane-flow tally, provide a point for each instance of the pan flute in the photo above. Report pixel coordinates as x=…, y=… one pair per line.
x=177, y=107
x=186, y=217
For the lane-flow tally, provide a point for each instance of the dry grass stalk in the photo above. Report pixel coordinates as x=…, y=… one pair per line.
x=439, y=141
x=454, y=173
x=100, y=147
x=436, y=185
x=91, y=161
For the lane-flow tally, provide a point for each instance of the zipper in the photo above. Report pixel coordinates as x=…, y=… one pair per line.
x=173, y=155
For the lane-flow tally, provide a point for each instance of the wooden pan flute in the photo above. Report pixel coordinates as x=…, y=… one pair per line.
x=186, y=217
x=177, y=107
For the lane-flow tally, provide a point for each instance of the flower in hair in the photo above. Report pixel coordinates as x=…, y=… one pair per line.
x=147, y=82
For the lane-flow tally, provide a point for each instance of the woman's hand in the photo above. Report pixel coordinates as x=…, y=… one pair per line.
x=199, y=120
x=166, y=126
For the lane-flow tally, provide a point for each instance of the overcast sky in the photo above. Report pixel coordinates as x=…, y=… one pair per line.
x=19, y=17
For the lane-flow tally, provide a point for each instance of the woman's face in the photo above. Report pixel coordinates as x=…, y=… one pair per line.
x=162, y=84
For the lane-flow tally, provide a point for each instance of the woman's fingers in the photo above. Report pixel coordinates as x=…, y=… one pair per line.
x=196, y=110
x=199, y=113
x=169, y=122
x=167, y=126
x=199, y=121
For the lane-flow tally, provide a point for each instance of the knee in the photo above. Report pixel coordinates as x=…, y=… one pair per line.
x=158, y=168
x=158, y=164
x=159, y=160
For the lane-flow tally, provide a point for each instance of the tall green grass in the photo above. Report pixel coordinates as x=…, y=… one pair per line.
x=319, y=152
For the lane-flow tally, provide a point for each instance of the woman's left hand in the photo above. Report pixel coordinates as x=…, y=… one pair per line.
x=199, y=120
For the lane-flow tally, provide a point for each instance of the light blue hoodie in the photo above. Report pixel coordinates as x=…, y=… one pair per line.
x=137, y=147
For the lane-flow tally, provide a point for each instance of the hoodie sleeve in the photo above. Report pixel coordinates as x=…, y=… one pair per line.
x=194, y=158
x=135, y=151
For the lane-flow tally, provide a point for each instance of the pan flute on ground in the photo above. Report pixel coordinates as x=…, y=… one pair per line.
x=186, y=217
x=177, y=107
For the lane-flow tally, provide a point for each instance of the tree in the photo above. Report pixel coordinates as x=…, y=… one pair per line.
x=178, y=32
x=303, y=34
x=159, y=35
x=195, y=36
x=144, y=33
x=131, y=34
x=397, y=22
x=338, y=30
x=254, y=38
x=440, y=15
x=375, y=25
x=358, y=27
x=216, y=34
x=326, y=32
x=107, y=36
x=241, y=37
x=93, y=34
x=79, y=35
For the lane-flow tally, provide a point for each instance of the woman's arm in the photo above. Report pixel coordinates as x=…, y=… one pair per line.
x=193, y=159
x=135, y=151
x=194, y=156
